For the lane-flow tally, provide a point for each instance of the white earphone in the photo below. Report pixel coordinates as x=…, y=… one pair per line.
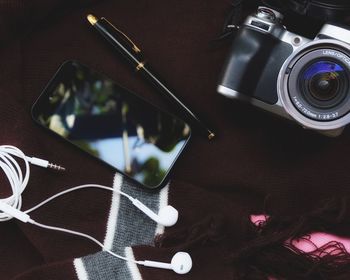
x=181, y=263
x=167, y=216
x=10, y=207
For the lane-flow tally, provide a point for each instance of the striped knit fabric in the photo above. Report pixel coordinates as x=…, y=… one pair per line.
x=126, y=227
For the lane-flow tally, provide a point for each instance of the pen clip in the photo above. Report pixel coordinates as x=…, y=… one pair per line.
x=135, y=48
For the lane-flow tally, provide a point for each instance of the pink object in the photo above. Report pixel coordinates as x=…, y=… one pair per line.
x=311, y=242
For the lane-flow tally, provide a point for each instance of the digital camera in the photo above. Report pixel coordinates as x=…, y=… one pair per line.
x=304, y=80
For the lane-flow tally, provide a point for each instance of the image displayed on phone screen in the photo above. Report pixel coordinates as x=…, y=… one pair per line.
x=94, y=113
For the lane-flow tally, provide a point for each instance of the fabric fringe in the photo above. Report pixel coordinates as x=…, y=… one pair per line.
x=267, y=252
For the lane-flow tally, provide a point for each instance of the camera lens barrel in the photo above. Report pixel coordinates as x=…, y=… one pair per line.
x=314, y=85
x=318, y=85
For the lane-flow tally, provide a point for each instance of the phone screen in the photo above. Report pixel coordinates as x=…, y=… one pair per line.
x=112, y=124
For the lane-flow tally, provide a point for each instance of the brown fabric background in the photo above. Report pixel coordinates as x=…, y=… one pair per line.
x=254, y=156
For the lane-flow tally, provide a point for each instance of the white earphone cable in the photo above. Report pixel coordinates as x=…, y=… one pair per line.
x=86, y=186
x=77, y=233
x=18, y=184
x=14, y=174
x=11, y=206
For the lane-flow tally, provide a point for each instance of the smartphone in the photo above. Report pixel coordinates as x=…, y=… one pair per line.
x=111, y=124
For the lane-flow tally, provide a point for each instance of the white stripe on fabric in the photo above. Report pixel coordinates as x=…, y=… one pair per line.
x=133, y=269
x=163, y=201
x=113, y=213
x=80, y=269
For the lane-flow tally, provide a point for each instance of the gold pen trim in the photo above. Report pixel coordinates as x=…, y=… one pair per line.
x=92, y=19
x=140, y=66
x=134, y=47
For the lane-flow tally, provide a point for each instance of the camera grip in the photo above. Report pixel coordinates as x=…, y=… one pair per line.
x=254, y=64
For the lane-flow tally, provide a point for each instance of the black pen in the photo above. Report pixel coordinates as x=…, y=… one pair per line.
x=134, y=55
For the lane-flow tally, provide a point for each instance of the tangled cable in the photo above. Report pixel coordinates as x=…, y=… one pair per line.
x=10, y=207
x=18, y=180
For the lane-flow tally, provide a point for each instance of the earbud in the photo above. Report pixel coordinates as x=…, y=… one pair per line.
x=167, y=216
x=181, y=263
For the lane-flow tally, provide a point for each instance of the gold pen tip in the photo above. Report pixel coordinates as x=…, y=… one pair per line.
x=92, y=19
x=211, y=135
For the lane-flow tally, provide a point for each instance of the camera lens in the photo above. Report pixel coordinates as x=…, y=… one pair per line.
x=317, y=84
x=324, y=87
x=324, y=84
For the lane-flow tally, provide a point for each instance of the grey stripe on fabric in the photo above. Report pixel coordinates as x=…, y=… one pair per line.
x=132, y=228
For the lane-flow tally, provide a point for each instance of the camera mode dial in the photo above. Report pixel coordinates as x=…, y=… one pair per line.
x=268, y=14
